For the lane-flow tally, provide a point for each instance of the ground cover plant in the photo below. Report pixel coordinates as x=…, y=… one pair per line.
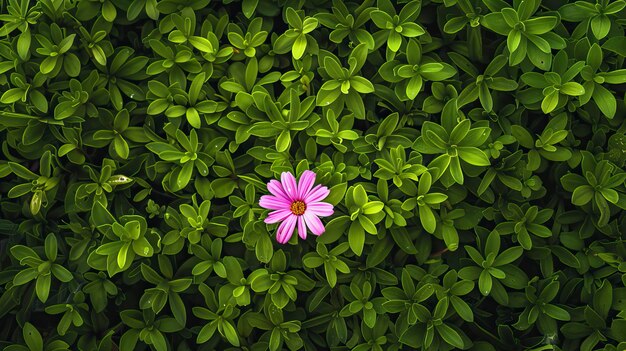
x=318, y=175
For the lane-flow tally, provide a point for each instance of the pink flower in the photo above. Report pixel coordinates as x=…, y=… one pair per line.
x=296, y=204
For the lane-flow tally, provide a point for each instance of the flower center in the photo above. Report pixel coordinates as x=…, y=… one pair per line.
x=298, y=207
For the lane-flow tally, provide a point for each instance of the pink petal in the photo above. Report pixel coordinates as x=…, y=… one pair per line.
x=289, y=185
x=321, y=209
x=314, y=223
x=306, y=183
x=274, y=203
x=276, y=189
x=301, y=227
x=277, y=216
x=318, y=193
x=285, y=229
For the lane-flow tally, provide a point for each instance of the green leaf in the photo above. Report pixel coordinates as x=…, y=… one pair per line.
x=22, y=171
x=572, y=89
x=178, y=308
x=32, y=337
x=462, y=308
x=42, y=287
x=185, y=175
x=450, y=336
x=108, y=11
x=354, y=102
x=327, y=97
x=394, y=41
x=540, y=25
x=283, y=142
x=496, y=22
x=485, y=283
x=582, y=195
x=427, y=218
x=61, y=273
x=556, y=312
x=381, y=19
x=356, y=238
x=367, y=225
x=605, y=100
x=13, y=95
x=230, y=333
x=455, y=25
x=600, y=26
x=201, y=44
x=508, y=256
x=51, y=247
x=337, y=193
x=616, y=44
x=603, y=299
x=372, y=207
x=121, y=146
x=550, y=102
x=361, y=85
x=19, y=190
x=264, y=249
x=474, y=156
x=299, y=46
x=25, y=276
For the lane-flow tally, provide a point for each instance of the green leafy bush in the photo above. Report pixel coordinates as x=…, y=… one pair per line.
x=474, y=152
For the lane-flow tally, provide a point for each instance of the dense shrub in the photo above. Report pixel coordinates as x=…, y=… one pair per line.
x=474, y=151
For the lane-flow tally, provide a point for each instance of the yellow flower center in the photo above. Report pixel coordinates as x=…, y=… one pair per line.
x=298, y=208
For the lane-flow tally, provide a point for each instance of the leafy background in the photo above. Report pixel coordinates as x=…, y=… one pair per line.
x=474, y=151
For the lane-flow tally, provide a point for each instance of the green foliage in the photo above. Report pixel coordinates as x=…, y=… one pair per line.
x=474, y=151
